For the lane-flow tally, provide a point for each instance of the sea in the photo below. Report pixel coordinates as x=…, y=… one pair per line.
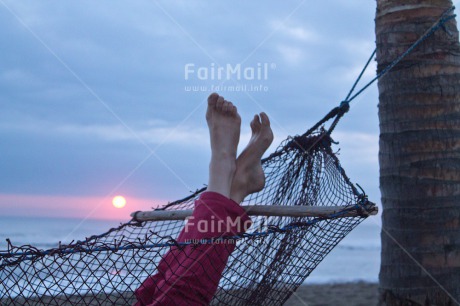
x=356, y=258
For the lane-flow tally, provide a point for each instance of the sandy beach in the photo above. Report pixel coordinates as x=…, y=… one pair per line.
x=347, y=294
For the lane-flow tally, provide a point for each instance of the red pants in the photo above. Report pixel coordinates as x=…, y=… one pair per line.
x=189, y=275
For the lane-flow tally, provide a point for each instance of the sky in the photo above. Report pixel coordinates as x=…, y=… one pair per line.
x=100, y=98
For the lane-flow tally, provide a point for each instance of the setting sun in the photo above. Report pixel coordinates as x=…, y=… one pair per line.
x=119, y=202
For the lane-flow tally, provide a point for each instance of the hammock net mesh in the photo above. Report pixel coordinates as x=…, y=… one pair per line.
x=270, y=260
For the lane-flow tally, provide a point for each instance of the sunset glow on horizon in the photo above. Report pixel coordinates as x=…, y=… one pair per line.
x=91, y=207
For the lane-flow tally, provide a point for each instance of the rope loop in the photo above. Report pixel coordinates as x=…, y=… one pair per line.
x=344, y=106
x=135, y=220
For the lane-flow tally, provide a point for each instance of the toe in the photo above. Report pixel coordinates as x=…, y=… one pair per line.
x=220, y=103
x=257, y=119
x=226, y=107
x=212, y=99
x=234, y=110
x=255, y=124
x=265, y=120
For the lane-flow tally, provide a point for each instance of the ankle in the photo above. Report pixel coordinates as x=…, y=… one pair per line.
x=236, y=197
x=221, y=172
x=239, y=185
x=221, y=155
x=238, y=192
x=223, y=164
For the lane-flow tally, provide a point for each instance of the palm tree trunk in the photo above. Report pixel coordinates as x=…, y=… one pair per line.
x=419, y=113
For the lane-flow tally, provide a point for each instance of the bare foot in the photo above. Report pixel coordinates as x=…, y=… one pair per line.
x=224, y=124
x=249, y=176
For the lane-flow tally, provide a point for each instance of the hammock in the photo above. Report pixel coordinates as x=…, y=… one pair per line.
x=317, y=206
x=270, y=261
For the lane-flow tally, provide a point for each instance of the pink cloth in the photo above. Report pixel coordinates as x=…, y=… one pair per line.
x=190, y=276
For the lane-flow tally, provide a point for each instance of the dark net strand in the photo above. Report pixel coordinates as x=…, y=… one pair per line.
x=270, y=261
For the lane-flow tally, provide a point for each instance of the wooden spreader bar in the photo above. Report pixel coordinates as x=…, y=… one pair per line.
x=266, y=210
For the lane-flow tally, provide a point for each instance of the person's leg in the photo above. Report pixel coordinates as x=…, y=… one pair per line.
x=224, y=128
x=190, y=275
x=249, y=176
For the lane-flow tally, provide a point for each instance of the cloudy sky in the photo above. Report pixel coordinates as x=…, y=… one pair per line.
x=97, y=97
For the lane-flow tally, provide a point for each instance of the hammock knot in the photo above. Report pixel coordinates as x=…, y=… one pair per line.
x=135, y=221
x=364, y=207
x=344, y=106
x=309, y=143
